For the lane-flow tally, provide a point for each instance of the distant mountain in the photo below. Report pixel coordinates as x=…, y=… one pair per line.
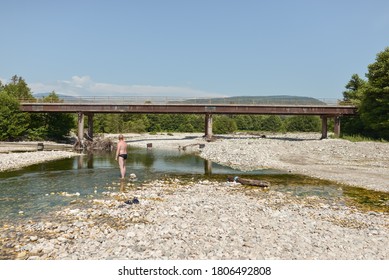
x=266, y=100
x=258, y=100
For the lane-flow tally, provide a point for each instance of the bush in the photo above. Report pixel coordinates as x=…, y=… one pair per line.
x=224, y=125
x=303, y=124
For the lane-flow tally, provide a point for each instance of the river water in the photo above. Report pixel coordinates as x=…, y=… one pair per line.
x=39, y=189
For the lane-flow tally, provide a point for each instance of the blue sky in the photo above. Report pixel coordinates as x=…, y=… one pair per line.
x=191, y=48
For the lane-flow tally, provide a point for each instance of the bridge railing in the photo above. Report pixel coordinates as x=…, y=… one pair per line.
x=247, y=100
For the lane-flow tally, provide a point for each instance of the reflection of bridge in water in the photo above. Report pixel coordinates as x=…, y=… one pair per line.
x=88, y=107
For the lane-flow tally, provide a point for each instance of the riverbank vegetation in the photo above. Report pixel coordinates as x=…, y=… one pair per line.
x=17, y=125
x=371, y=96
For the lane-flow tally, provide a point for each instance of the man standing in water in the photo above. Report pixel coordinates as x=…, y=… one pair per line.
x=121, y=155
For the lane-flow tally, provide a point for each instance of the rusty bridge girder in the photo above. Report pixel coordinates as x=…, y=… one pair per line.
x=190, y=109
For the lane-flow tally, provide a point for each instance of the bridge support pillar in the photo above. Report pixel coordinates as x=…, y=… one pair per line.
x=90, y=125
x=337, y=126
x=324, y=127
x=208, y=126
x=80, y=130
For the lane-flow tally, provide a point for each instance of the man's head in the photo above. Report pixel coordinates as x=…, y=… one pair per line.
x=121, y=137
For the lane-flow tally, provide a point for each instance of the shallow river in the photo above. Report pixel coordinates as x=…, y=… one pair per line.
x=39, y=189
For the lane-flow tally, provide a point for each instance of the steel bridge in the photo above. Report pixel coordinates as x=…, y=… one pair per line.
x=88, y=108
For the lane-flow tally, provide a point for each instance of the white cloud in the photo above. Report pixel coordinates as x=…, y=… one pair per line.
x=4, y=81
x=85, y=86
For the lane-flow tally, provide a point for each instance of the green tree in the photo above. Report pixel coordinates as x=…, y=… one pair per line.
x=137, y=123
x=353, y=93
x=13, y=122
x=100, y=123
x=18, y=88
x=154, y=123
x=195, y=122
x=374, y=108
x=224, y=124
x=272, y=123
x=257, y=122
x=303, y=123
x=353, y=125
x=244, y=122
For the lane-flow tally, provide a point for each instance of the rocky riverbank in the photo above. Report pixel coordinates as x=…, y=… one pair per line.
x=362, y=164
x=202, y=220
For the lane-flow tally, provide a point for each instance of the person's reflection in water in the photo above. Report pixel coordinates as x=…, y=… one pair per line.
x=123, y=186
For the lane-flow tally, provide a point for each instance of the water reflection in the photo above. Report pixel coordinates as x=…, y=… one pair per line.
x=123, y=186
x=207, y=167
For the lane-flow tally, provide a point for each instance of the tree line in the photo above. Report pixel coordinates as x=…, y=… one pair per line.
x=371, y=97
x=154, y=123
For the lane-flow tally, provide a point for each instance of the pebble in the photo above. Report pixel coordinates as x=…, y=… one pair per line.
x=33, y=238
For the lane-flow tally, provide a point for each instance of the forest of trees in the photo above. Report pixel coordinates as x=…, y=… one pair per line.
x=17, y=125
x=371, y=96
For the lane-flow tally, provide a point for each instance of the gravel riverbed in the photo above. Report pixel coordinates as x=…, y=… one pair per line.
x=203, y=220
x=219, y=220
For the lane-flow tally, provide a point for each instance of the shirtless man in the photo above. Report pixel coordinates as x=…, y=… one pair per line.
x=121, y=155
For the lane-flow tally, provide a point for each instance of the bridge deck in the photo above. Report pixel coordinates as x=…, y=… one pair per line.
x=328, y=110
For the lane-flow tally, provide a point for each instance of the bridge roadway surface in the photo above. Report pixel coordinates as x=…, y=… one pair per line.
x=328, y=110
x=324, y=111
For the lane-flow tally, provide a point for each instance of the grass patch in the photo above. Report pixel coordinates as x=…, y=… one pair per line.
x=360, y=138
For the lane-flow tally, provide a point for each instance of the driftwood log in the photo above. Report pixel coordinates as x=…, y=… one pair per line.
x=249, y=182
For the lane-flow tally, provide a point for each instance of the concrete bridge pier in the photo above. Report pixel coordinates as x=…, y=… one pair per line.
x=324, y=126
x=80, y=134
x=208, y=126
x=90, y=125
